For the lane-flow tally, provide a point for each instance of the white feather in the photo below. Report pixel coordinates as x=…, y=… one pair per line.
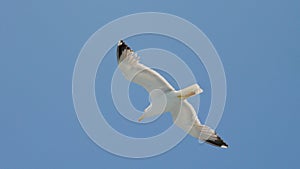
x=165, y=98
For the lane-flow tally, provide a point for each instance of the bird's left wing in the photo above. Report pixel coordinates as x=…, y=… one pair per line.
x=138, y=73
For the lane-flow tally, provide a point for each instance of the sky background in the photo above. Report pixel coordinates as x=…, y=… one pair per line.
x=258, y=43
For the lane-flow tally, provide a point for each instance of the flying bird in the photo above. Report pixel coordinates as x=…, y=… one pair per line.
x=164, y=98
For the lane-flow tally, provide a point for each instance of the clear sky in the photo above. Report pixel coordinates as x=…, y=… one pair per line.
x=258, y=43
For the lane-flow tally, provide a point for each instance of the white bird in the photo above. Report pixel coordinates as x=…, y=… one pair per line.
x=164, y=98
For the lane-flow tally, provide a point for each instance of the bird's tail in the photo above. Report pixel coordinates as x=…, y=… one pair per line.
x=189, y=91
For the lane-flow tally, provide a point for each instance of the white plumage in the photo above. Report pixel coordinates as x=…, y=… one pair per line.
x=164, y=98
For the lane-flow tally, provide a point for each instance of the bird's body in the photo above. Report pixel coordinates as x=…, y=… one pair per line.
x=164, y=98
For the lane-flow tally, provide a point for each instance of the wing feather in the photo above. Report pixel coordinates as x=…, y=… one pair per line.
x=184, y=115
x=187, y=119
x=139, y=73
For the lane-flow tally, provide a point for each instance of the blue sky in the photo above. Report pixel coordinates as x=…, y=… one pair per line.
x=258, y=43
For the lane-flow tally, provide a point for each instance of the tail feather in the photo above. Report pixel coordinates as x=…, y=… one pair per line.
x=189, y=91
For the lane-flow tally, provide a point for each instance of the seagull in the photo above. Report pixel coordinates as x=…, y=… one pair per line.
x=164, y=98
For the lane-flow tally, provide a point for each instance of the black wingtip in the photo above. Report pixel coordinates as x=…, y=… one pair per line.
x=219, y=142
x=121, y=47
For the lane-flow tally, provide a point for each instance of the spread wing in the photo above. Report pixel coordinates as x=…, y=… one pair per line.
x=139, y=73
x=186, y=118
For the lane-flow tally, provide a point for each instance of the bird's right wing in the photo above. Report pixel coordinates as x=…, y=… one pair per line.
x=186, y=118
